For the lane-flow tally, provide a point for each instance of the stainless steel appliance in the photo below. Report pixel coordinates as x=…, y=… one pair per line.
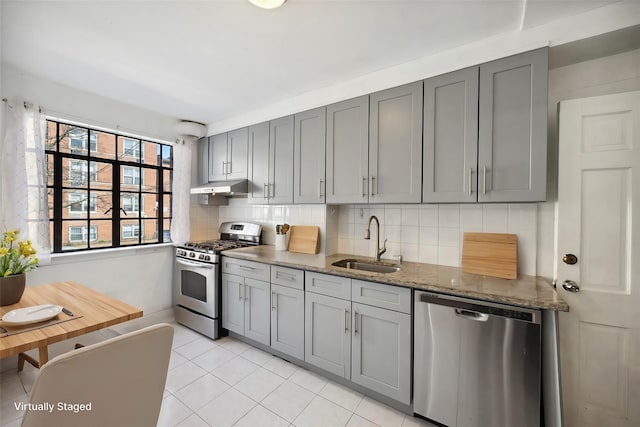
x=476, y=364
x=197, y=278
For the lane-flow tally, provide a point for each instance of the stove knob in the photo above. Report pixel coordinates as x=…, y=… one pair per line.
x=201, y=256
x=192, y=255
x=207, y=258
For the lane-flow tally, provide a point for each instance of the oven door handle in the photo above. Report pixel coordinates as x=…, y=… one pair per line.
x=194, y=264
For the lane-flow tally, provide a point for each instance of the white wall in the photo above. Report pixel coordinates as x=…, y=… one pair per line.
x=141, y=277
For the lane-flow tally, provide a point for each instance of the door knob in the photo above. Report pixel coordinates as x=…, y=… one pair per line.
x=570, y=259
x=570, y=286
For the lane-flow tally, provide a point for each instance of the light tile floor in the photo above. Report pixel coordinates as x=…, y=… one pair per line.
x=229, y=383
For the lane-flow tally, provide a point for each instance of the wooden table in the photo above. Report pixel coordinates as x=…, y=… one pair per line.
x=93, y=309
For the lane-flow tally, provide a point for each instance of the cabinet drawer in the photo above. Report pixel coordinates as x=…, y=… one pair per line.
x=253, y=270
x=289, y=277
x=383, y=296
x=326, y=284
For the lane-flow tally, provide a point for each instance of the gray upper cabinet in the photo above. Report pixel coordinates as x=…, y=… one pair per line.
x=228, y=155
x=258, y=163
x=271, y=162
x=280, y=188
x=512, y=140
x=347, y=151
x=450, y=130
x=309, y=161
x=395, y=145
x=203, y=161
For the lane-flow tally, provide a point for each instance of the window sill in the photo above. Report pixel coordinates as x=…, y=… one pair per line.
x=97, y=254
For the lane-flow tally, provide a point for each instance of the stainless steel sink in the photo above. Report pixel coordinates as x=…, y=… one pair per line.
x=364, y=265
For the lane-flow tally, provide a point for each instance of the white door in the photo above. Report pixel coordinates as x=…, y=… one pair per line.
x=599, y=223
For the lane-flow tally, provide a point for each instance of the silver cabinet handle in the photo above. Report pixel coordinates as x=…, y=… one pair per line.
x=228, y=168
x=224, y=167
x=269, y=187
x=372, y=183
x=355, y=323
x=470, y=179
x=264, y=191
x=364, y=182
x=570, y=286
x=246, y=268
x=283, y=275
x=484, y=180
x=346, y=320
x=273, y=301
x=240, y=291
x=321, y=187
x=246, y=293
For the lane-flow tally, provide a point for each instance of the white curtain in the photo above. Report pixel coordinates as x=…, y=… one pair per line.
x=182, y=152
x=24, y=203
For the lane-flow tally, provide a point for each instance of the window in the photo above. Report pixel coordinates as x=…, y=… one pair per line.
x=79, y=234
x=107, y=198
x=78, y=202
x=131, y=176
x=79, y=173
x=130, y=231
x=132, y=148
x=78, y=139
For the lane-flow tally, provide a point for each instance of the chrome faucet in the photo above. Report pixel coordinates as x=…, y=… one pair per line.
x=367, y=236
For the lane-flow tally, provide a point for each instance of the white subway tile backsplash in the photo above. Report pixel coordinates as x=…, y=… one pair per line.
x=428, y=216
x=411, y=216
x=429, y=236
x=410, y=252
x=392, y=216
x=449, y=216
x=495, y=218
x=345, y=246
x=393, y=233
x=346, y=214
x=409, y=234
x=449, y=237
x=471, y=218
x=429, y=254
x=345, y=230
x=448, y=255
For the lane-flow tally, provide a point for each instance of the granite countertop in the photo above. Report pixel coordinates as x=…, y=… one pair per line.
x=526, y=291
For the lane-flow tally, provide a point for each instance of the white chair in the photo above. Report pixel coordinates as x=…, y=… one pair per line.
x=122, y=379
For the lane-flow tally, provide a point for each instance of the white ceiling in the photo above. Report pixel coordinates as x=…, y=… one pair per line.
x=208, y=61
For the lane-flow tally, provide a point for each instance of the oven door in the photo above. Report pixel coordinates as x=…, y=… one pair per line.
x=195, y=286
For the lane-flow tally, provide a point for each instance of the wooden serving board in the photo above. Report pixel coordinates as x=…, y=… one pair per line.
x=304, y=239
x=490, y=254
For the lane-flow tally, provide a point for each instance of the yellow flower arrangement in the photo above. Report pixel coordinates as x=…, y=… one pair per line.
x=16, y=257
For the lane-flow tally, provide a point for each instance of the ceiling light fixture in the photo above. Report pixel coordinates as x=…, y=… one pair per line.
x=268, y=4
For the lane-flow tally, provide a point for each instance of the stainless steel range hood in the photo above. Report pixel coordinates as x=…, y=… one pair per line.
x=223, y=188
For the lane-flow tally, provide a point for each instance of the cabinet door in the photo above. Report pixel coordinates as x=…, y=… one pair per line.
x=309, y=151
x=237, y=149
x=381, y=345
x=327, y=342
x=395, y=145
x=348, y=151
x=233, y=303
x=450, y=158
x=258, y=163
x=287, y=320
x=217, y=157
x=256, y=311
x=512, y=139
x=281, y=161
x=203, y=161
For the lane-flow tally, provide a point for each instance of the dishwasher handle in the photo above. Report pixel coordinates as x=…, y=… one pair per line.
x=467, y=306
x=471, y=315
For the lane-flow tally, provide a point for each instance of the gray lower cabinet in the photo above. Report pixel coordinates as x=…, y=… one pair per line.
x=348, y=151
x=245, y=307
x=287, y=320
x=512, y=128
x=271, y=162
x=381, y=351
x=450, y=157
x=328, y=333
x=365, y=337
x=395, y=145
x=309, y=156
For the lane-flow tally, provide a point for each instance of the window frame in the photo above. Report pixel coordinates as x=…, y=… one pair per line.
x=150, y=228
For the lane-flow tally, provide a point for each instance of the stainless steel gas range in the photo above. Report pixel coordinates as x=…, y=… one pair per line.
x=197, y=276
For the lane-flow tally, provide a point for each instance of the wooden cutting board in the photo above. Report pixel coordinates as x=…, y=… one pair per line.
x=304, y=239
x=490, y=254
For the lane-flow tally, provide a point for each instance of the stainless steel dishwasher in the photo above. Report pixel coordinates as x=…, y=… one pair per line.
x=476, y=364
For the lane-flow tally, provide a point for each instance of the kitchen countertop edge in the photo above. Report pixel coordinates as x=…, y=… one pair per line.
x=525, y=291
